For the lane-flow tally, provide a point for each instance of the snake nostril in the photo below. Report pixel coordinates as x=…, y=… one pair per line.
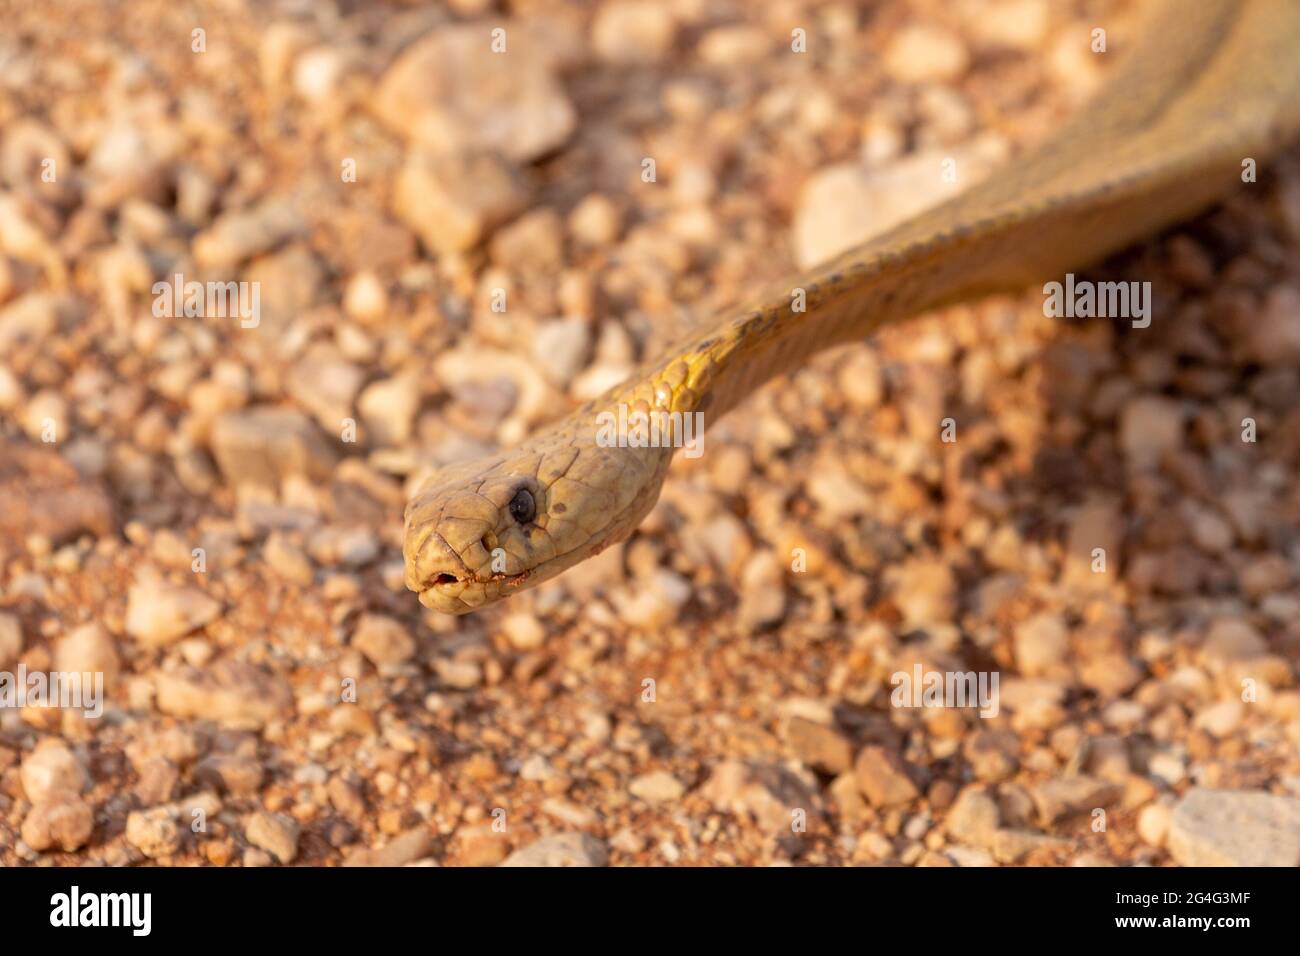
x=445, y=578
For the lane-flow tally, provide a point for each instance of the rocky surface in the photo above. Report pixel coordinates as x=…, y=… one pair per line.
x=1228, y=828
x=457, y=234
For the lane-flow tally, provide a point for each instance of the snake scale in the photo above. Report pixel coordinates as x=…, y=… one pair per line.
x=1207, y=85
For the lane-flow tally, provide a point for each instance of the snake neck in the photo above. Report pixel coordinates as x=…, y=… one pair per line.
x=1209, y=85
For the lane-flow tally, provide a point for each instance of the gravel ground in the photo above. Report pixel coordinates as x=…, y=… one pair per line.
x=452, y=244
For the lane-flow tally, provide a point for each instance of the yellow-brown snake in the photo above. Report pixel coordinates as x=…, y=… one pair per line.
x=1209, y=85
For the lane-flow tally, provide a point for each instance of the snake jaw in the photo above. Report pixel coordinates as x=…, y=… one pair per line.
x=438, y=572
x=462, y=547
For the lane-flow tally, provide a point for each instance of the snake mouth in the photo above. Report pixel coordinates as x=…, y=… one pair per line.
x=453, y=594
x=446, y=579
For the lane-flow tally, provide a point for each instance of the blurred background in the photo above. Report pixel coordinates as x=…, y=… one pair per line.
x=265, y=265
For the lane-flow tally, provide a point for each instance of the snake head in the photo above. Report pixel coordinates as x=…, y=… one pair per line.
x=480, y=530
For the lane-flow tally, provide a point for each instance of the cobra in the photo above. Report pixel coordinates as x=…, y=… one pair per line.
x=1207, y=86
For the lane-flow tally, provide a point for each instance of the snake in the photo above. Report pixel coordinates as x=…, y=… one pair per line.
x=1207, y=88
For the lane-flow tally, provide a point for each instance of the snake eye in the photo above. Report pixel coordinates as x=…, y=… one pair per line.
x=522, y=506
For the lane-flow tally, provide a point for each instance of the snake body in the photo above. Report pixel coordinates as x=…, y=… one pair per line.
x=1208, y=85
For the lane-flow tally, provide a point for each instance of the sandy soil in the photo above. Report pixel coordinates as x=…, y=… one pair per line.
x=206, y=509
